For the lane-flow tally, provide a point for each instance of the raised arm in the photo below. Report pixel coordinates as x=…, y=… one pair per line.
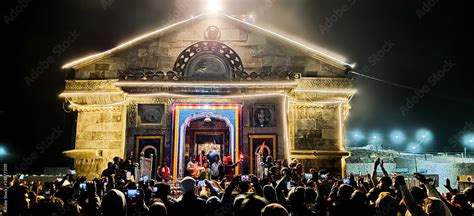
x=279, y=190
x=256, y=185
x=448, y=186
x=432, y=192
x=373, y=177
x=408, y=199
x=228, y=191
x=384, y=171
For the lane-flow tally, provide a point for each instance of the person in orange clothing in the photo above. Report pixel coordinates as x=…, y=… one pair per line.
x=229, y=168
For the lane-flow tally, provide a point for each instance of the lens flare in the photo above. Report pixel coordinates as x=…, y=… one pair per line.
x=424, y=136
x=213, y=5
x=397, y=137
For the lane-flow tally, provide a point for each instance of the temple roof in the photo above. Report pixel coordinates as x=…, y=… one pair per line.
x=306, y=49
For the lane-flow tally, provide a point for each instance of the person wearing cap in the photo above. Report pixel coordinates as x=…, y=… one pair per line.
x=189, y=203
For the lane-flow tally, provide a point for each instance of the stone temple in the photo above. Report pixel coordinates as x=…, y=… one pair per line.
x=213, y=82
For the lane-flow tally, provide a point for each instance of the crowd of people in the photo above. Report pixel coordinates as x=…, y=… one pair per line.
x=285, y=189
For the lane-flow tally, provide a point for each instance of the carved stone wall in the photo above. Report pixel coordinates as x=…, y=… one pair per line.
x=99, y=130
x=316, y=127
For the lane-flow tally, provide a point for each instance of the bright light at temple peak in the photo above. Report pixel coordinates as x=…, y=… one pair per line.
x=213, y=5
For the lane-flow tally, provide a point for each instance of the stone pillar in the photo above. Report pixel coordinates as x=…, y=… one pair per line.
x=98, y=139
x=100, y=129
x=317, y=116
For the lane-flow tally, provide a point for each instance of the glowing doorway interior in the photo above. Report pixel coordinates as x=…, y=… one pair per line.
x=183, y=114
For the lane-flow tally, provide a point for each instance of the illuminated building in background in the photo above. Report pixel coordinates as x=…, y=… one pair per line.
x=210, y=83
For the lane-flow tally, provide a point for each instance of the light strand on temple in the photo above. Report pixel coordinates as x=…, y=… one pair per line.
x=162, y=94
x=328, y=91
x=71, y=94
x=340, y=135
x=285, y=128
x=202, y=84
x=97, y=105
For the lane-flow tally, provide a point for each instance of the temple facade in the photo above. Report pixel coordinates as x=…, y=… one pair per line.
x=212, y=83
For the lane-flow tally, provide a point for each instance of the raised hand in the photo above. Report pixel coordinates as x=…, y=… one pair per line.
x=421, y=178
x=448, y=184
x=377, y=162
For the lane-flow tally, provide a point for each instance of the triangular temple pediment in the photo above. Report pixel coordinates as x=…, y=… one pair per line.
x=257, y=49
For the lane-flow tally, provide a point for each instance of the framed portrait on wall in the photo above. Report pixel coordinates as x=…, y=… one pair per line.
x=261, y=146
x=262, y=115
x=150, y=114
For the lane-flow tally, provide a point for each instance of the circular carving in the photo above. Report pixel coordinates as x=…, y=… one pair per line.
x=212, y=33
x=205, y=65
x=210, y=60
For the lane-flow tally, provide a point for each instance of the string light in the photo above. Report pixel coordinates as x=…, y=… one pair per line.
x=285, y=128
x=205, y=84
x=71, y=94
x=97, y=105
x=162, y=94
x=328, y=91
x=341, y=143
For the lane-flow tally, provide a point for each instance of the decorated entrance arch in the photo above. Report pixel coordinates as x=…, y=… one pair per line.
x=183, y=114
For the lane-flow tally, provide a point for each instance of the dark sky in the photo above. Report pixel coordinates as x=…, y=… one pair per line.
x=415, y=48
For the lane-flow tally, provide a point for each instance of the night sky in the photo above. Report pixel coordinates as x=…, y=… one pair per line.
x=396, y=41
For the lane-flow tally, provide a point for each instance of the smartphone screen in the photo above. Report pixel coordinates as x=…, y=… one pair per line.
x=245, y=178
x=155, y=189
x=82, y=186
x=129, y=174
x=324, y=177
x=201, y=184
x=145, y=179
x=132, y=193
x=346, y=181
x=288, y=185
x=308, y=176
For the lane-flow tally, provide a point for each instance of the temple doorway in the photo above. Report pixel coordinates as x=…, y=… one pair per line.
x=207, y=127
x=208, y=135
